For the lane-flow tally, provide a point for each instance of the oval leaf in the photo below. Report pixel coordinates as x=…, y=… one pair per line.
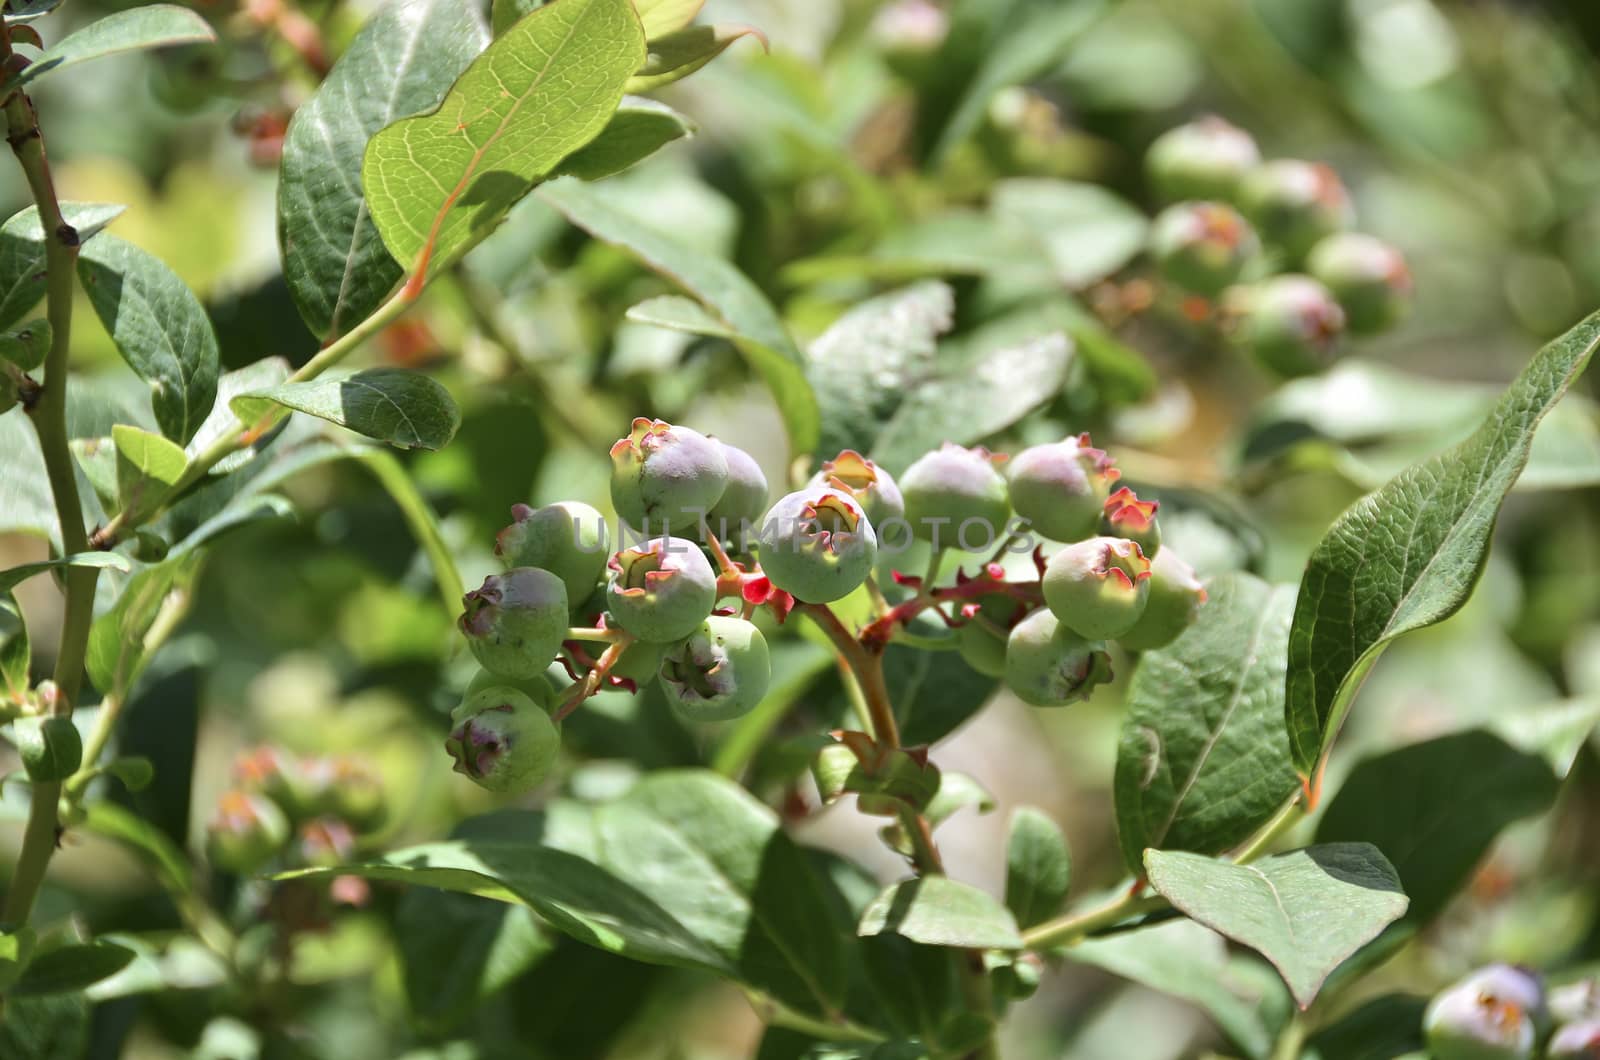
x=1305, y=911
x=1203, y=760
x=638, y=129
x=403, y=61
x=148, y=467
x=159, y=327
x=939, y=911
x=11, y=578
x=22, y=258
x=406, y=409
x=438, y=183
x=153, y=26
x=679, y=54
x=70, y=968
x=1038, y=867
x=1408, y=555
x=723, y=290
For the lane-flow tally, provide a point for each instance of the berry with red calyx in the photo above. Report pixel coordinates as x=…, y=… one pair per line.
x=666, y=479
x=1295, y=204
x=870, y=484
x=504, y=742
x=1291, y=323
x=817, y=544
x=537, y=688
x=955, y=487
x=1368, y=277
x=515, y=622
x=1097, y=588
x=1174, y=603
x=246, y=831
x=1128, y=517
x=567, y=538
x=1203, y=247
x=1048, y=665
x=638, y=665
x=981, y=639
x=1204, y=159
x=353, y=792
x=719, y=672
x=1061, y=487
x=745, y=496
x=662, y=590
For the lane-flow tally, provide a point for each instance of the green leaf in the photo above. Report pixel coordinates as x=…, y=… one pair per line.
x=1408, y=555
x=438, y=183
x=457, y=950
x=22, y=256
x=151, y=26
x=678, y=54
x=736, y=303
x=638, y=129
x=935, y=692
x=1087, y=232
x=1190, y=962
x=159, y=327
x=261, y=375
x=148, y=467
x=1433, y=809
x=402, y=62
x=406, y=409
x=14, y=576
x=27, y=347
x=1385, y=1028
x=70, y=968
x=1203, y=760
x=136, y=772
x=15, y=651
x=169, y=864
x=1305, y=911
x=46, y=1028
x=939, y=911
x=16, y=947
x=661, y=17
x=117, y=652
x=1038, y=867
x=868, y=362
x=504, y=14
x=22, y=11
x=957, y=791
x=973, y=400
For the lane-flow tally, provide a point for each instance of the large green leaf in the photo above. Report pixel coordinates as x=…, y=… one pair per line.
x=46, y=1028
x=438, y=183
x=22, y=253
x=402, y=62
x=18, y=11
x=1038, y=867
x=117, y=651
x=1305, y=911
x=159, y=327
x=1203, y=759
x=70, y=968
x=1087, y=232
x=406, y=409
x=457, y=949
x=1434, y=808
x=939, y=911
x=867, y=362
x=723, y=290
x=638, y=129
x=1409, y=554
x=151, y=26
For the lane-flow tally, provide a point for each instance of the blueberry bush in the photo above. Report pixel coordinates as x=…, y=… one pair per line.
x=939, y=479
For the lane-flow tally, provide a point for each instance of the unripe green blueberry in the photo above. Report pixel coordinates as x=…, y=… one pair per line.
x=50, y=747
x=744, y=498
x=1204, y=159
x=665, y=479
x=817, y=544
x=245, y=832
x=1098, y=588
x=515, y=622
x=1291, y=323
x=1175, y=599
x=1061, y=487
x=1294, y=204
x=1474, y=1020
x=1368, y=277
x=640, y=663
x=870, y=484
x=568, y=539
x=355, y=794
x=1202, y=247
x=1128, y=517
x=952, y=487
x=504, y=742
x=662, y=590
x=1576, y=1041
x=720, y=672
x=1048, y=665
x=981, y=639
x=537, y=688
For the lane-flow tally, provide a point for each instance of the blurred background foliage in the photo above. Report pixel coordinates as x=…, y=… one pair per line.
x=996, y=144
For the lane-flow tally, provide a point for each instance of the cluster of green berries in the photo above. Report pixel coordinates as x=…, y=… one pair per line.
x=1502, y=1012
x=1270, y=241
x=677, y=608
x=306, y=811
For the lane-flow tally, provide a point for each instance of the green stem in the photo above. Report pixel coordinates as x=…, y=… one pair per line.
x=1289, y=1042
x=1286, y=818
x=1074, y=927
x=49, y=415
